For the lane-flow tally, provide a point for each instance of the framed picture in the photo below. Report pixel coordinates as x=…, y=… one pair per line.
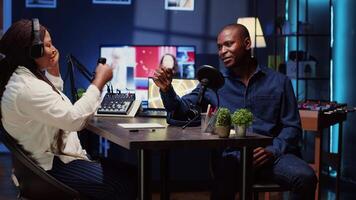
x=179, y=5
x=41, y=3
x=126, y=2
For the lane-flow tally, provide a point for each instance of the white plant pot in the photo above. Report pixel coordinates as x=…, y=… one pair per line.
x=240, y=130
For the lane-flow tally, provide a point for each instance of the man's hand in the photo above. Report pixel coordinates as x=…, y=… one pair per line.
x=163, y=78
x=261, y=156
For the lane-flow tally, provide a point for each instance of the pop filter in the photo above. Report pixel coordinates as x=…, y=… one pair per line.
x=211, y=77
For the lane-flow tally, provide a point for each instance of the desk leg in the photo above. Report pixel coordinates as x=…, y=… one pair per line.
x=247, y=174
x=338, y=169
x=317, y=161
x=144, y=159
x=164, y=175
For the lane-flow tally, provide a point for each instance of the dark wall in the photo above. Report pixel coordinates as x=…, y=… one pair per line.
x=80, y=27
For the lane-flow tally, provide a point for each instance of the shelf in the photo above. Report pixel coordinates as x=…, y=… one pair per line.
x=296, y=35
x=314, y=78
x=307, y=35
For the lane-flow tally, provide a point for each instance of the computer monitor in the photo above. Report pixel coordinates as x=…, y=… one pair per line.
x=181, y=87
x=133, y=64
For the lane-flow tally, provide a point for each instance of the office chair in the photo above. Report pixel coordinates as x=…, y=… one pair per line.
x=33, y=181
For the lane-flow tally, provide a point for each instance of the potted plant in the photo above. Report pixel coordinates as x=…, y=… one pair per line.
x=223, y=122
x=80, y=92
x=241, y=119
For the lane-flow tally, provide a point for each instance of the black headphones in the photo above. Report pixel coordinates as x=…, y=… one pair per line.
x=37, y=48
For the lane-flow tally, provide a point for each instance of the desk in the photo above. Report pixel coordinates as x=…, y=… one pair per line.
x=317, y=121
x=171, y=138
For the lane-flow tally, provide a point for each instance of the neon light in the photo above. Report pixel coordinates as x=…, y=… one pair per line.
x=7, y=14
x=333, y=129
x=331, y=45
x=341, y=51
x=286, y=45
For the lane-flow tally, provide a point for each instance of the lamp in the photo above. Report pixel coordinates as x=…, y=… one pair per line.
x=254, y=28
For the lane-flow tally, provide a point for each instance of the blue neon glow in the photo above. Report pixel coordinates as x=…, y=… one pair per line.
x=6, y=24
x=331, y=45
x=340, y=50
x=334, y=129
x=7, y=14
x=341, y=18
x=286, y=45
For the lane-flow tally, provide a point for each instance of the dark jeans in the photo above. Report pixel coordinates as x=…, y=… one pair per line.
x=288, y=170
x=104, y=181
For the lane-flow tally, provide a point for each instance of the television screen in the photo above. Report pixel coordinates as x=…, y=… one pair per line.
x=134, y=64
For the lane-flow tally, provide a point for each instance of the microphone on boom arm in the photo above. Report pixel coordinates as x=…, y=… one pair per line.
x=209, y=77
x=72, y=63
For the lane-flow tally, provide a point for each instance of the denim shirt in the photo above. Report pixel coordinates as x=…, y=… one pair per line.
x=269, y=96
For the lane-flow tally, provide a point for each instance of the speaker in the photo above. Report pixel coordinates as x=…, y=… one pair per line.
x=37, y=48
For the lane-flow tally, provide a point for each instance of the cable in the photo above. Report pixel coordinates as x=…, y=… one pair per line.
x=217, y=97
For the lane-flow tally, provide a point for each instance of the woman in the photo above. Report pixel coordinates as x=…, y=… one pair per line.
x=41, y=118
x=169, y=61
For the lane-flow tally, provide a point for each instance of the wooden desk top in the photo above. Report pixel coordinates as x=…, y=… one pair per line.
x=170, y=137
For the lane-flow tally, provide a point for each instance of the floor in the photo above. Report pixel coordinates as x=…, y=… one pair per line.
x=8, y=191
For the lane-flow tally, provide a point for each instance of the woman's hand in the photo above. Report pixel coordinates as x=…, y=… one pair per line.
x=103, y=74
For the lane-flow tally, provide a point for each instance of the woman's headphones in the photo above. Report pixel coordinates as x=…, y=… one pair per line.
x=37, y=48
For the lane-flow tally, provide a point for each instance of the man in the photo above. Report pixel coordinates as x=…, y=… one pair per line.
x=269, y=95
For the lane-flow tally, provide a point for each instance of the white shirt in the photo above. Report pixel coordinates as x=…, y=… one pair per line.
x=33, y=113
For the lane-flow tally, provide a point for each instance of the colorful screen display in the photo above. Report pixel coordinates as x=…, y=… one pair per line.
x=134, y=64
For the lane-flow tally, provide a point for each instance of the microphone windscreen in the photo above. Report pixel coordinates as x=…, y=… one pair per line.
x=213, y=75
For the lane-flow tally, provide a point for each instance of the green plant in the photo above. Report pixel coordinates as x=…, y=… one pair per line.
x=223, y=117
x=80, y=92
x=242, y=117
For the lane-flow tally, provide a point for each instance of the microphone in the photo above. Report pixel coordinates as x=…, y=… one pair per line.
x=73, y=62
x=212, y=75
x=102, y=60
x=209, y=77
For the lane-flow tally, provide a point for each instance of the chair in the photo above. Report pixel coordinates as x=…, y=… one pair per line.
x=260, y=186
x=34, y=182
x=266, y=187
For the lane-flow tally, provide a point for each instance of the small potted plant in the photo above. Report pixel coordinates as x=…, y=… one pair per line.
x=80, y=92
x=223, y=122
x=241, y=119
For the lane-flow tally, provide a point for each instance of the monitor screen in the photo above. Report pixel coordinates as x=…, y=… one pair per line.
x=133, y=65
x=181, y=87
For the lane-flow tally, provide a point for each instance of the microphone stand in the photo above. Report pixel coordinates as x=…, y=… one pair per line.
x=204, y=82
x=71, y=63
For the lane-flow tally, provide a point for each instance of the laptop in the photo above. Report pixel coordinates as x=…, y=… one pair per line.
x=155, y=107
